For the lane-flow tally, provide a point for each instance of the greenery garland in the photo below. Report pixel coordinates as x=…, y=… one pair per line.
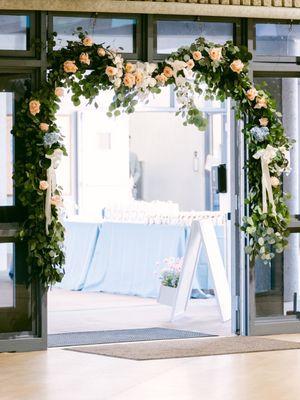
x=224, y=70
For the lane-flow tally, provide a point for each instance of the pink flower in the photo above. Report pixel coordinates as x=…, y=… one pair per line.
x=34, y=107
x=84, y=58
x=56, y=200
x=162, y=79
x=196, y=55
x=129, y=67
x=237, y=66
x=87, y=41
x=43, y=185
x=111, y=71
x=275, y=182
x=261, y=102
x=215, y=53
x=129, y=80
x=70, y=67
x=101, y=52
x=168, y=72
x=190, y=64
x=59, y=91
x=263, y=121
x=44, y=127
x=251, y=93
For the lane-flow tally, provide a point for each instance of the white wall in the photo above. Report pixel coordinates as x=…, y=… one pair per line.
x=166, y=149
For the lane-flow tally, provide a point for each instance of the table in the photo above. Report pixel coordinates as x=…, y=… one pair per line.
x=122, y=257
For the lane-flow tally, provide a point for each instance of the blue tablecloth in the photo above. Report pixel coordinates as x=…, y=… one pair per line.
x=122, y=257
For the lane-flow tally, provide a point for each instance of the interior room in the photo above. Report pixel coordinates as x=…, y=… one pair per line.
x=133, y=185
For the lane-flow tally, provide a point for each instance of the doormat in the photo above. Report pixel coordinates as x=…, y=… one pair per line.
x=120, y=336
x=188, y=348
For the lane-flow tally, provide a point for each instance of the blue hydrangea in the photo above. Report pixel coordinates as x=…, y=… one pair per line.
x=50, y=138
x=259, y=133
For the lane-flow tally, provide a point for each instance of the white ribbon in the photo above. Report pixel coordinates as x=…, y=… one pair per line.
x=266, y=156
x=55, y=159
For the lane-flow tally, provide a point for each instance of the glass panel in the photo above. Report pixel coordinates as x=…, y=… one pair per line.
x=277, y=39
x=6, y=148
x=14, y=32
x=173, y=34
x=115, y=32
x=6, y=275
x=277, y=281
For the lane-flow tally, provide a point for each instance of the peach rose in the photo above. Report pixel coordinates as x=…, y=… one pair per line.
x=261, y=102
x=215, y=53
x=34, y=107
x=129, y=67
x=44, y=127
x=275, y=182
x=111, y=71
x=43, y=185
x=84, y=58
x=263, y=121
x=139, y=77
x=251, y=93
x=196, y=55
x=87, y=41
x=101, y=52
x=59, y=91
x=162, y=79
x=168, y=72
x=237, y=66
x=70, y=67
x=190, y=64
x=56, y=200
x=129, y=80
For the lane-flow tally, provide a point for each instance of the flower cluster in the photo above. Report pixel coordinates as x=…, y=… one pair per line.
x=170, y=275
x=224, y=71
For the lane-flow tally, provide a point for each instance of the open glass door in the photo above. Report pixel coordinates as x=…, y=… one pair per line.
x=274, y=286
x=20, y=312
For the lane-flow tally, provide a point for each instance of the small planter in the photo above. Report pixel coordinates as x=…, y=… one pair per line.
x=167, y=295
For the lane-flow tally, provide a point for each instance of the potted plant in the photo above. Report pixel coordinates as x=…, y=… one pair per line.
x=169, y=278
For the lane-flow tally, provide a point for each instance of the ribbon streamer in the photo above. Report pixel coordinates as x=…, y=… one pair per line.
x=266, y=156
x=55, y=159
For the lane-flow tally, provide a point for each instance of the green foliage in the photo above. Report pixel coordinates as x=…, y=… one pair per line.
x=267, y=232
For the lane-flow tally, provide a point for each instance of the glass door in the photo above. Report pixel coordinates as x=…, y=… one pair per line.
x=20, y=310
x=274, y=286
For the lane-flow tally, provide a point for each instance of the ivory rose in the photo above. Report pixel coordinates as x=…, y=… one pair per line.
x=162, y=79
x=168, y=72
x=215, y=53
x=44, y=127
x=196, y=55
x=275, y=182
x=129, y=67
x=70, y=67
x=84, y=58
x=59, y=91
x=263, y=121
x=101, y=52
x=34, y=107
x=237, y=66
x=111, y=71
x=129, y=80
x=43, y=185
x=261, y=102
x=87, y=41
x=251, y=93
x=190, y=64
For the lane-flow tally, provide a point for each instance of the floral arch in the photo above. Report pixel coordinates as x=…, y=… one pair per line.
x=224, y=69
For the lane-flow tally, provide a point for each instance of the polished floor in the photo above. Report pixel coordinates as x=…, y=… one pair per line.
x=81, y=311
x=57, y=374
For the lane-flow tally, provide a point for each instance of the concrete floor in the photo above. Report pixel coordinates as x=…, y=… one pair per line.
x=81, y=311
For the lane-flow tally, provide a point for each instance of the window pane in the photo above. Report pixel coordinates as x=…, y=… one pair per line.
x=6, y=275
x=6, y=148
x=277, y=39
x=115, y=32
x=14, y=32
x=173, y=34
